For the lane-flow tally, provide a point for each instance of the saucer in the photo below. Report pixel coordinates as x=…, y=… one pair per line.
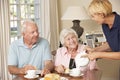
x=31, y=77
x=73, y=75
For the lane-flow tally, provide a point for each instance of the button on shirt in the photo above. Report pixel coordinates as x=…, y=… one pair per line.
x=20, y=55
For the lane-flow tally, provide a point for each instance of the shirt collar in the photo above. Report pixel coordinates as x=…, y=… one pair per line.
x=116, y=21
x=21, y=43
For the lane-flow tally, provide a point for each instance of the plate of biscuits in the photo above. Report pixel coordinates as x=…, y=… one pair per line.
x=53, y=76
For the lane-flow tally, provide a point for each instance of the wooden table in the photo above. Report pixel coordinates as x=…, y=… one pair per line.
x=89, y=75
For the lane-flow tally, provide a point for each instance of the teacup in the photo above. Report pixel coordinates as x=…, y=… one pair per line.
x=31, y=73
x=75, y=72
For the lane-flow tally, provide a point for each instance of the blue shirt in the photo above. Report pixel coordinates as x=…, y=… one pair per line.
x=20, y=55
x=113, y=35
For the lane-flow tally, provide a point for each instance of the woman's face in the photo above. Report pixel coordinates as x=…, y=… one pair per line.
x=71, y=41
x=99, y=18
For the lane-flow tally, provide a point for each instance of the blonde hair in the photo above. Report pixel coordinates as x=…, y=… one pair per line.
x=100, y=6
x=65, y=32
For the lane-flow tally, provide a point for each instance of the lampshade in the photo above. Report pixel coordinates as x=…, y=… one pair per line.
x=75, y=13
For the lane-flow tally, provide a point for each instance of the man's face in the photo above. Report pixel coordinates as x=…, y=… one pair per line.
x=31, y=34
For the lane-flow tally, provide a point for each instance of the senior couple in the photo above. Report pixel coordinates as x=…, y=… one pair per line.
x=32, y=52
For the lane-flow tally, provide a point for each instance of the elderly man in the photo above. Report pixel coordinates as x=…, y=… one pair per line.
x=29, y=52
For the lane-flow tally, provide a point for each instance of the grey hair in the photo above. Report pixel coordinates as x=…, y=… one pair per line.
x=24, y=25
x=65, y=32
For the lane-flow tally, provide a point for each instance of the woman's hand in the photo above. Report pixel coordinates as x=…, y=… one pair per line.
x=60, y=69
x=92, y=55
x=89, y=49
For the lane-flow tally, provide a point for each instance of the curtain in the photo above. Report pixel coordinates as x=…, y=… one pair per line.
x=49, y=22
x=4, y=38
x=54, y=28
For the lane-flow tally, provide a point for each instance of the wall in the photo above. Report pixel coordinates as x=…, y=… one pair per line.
x=63, y=5
x=91, y=25
x=110, y=67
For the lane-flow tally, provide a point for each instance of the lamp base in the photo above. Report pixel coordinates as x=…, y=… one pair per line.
x=76, y=26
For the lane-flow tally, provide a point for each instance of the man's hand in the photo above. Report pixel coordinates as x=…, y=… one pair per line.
x=29, y=67
x=18, y=71
x=45, y=71
x=49, y=66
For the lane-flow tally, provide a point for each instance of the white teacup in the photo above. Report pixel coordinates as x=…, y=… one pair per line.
x=31, y=73
x=75, y=72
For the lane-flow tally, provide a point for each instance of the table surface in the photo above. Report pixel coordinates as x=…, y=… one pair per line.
x=89, y=75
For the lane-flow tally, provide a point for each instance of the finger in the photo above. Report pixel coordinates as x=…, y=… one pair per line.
x=84, y=55
x=32, y=67
x=92, y=59
x=42, y=73
x=45, y=71
x=60, y=70
x=63, y=67
x=35, y=67
x=85, y=48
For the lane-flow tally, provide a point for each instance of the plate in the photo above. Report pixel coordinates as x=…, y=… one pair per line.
x=76, y=75
x=32, y=77
x=62, y=78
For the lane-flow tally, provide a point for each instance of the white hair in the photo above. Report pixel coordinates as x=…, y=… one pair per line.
x=65, y=32
x=24, y=25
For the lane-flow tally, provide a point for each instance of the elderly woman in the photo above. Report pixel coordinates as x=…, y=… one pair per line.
x=65, y=56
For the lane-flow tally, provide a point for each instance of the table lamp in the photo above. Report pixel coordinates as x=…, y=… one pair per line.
x=76, y=13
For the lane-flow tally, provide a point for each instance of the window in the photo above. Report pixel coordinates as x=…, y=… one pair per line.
x=21, y=10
